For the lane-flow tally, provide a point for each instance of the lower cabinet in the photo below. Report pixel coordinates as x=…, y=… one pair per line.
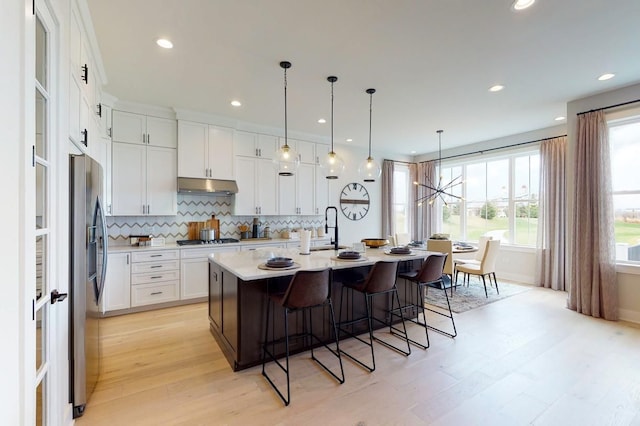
x=194, y=271
x=155, y=277
x=117, y=287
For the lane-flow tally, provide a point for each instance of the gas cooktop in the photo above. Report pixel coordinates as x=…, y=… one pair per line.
x=201, y=242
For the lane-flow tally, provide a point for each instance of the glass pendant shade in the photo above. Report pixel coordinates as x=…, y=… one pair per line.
x=332, y=165
x=286, y=160
x=369, y=170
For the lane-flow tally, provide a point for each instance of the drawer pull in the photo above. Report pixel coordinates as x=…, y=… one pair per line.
x=156, y=277
x=155, y=293
x=156, y=255
x=156, y=266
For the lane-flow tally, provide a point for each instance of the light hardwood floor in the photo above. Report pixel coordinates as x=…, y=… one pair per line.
x=522, y=360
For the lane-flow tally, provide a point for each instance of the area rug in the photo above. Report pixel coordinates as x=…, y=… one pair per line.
x=467, y=298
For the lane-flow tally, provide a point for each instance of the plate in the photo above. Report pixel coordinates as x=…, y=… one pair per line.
x=400, y=250
x=348, y=260
x=279, y=262
x=398, y=254
x=281, y=268
x=348, y=255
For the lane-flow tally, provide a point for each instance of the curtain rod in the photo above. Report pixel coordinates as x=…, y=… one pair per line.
x=501, y=147
x=609, y=107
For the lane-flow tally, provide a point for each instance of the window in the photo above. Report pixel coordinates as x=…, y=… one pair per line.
x=500, y=198
x=624, y=141
x=401, y=187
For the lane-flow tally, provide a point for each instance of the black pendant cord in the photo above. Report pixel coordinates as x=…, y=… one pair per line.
x=370, y=92
x=285, y=65
x=332, y=79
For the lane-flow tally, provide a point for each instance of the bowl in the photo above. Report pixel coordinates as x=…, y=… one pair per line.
x=279, y=262
x=375, y=242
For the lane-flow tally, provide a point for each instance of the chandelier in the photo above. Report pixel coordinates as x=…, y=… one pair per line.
x=441, y=190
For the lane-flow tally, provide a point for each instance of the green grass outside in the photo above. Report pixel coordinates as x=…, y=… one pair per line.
x=526, y=229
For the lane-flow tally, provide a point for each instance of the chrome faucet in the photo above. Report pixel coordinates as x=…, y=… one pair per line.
x=335, y=228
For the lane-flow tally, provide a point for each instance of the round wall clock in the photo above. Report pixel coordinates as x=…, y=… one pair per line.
x=354, y=201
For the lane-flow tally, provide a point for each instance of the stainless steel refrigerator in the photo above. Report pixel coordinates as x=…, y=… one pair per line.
x=88, y=266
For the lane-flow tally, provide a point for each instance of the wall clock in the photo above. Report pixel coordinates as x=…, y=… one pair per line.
x=354, y=201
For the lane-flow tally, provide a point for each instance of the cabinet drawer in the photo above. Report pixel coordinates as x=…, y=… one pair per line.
x=150, y=256
x=152, y=277
x=168, y=265
x=203, y=253
x=148, y=294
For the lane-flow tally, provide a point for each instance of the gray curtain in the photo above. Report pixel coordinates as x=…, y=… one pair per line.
x=387, y=199
x=426, y=213
x=593, y=289
x=552, y=215
x=413, y=217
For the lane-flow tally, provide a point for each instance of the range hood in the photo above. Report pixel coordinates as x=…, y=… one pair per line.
x=207, y=186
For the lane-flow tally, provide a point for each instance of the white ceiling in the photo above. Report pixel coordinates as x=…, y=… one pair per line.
x=431, y=62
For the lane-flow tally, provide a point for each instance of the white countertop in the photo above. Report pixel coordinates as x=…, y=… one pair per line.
x=173, y=246
x=245, y=264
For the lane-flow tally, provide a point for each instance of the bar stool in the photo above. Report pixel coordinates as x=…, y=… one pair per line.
x=306, y=290
x=381, y=279
x=430, y=275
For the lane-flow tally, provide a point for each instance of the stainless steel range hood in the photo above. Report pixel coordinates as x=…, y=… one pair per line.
x=207, y=186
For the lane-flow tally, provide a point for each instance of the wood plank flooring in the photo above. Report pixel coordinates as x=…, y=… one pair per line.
x=519, y=361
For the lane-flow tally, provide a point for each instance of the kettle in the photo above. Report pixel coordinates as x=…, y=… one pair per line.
x=207, y=234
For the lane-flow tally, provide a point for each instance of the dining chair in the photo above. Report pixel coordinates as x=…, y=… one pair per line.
x=487, y=266
x=307, y=290
x=482, y=245
x=444, y=246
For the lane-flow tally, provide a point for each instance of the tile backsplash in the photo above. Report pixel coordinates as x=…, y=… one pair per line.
x=195, y=208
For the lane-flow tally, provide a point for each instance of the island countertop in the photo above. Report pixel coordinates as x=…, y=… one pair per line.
x=244, y=265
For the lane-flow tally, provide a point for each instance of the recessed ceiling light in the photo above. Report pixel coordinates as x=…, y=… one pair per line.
x=496, y=88
x=163, y=42
x=560, y=118
x=322, y=121
x=607, y=76
x=349, y=140
x=522, y=4
x=236, y=103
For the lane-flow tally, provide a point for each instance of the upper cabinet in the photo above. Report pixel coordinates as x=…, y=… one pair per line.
x=249, y=144
x=205, y=151
x=141, y=129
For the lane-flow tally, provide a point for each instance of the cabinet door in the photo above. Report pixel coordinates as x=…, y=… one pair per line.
x=305, y=183
x=321, y=191
x=215, y=295
x=220, y=153
x=194, y=278
x=245, y=201
x=75, y=100
x=117, y=287
x=128, y=127
x=267, y=146
x=306, y=151
x=162, y=181
x=267, y=188
x=192, y=149
x=162, y=132
x=245, y=143
x=128, y=179
x=287, y=201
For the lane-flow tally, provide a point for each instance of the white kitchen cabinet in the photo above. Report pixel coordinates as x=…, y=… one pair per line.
x=306, y=150
x=297, y=192
x=205, y=151
x=141, y=129
x=155, y=277
x=257, y=181
x=254, y=145
x=117, y=287
x=194, y=271
x=144, y=180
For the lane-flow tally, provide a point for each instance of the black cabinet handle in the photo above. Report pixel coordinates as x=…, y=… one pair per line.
x=155, y=293
x=99, y=112
x=85, y=137
x=85, y=74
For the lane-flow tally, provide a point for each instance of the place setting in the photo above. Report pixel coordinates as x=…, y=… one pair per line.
x=349, y=256
x=279, y=264
x=400, y=251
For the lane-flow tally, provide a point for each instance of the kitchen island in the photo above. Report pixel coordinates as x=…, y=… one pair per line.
x=238, y=291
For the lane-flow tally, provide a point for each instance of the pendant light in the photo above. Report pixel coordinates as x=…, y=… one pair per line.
x=370, y=170
x=440, y=190
x=286, y=160
x=332, y=164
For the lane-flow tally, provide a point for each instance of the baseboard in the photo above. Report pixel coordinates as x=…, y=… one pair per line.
x=517, y=278
x=629, y=315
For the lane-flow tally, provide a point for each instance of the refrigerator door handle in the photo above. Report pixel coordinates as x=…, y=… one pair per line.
x=105, y=247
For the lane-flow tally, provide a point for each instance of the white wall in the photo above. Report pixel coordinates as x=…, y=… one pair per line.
x=12, y=112
x=628, y=277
